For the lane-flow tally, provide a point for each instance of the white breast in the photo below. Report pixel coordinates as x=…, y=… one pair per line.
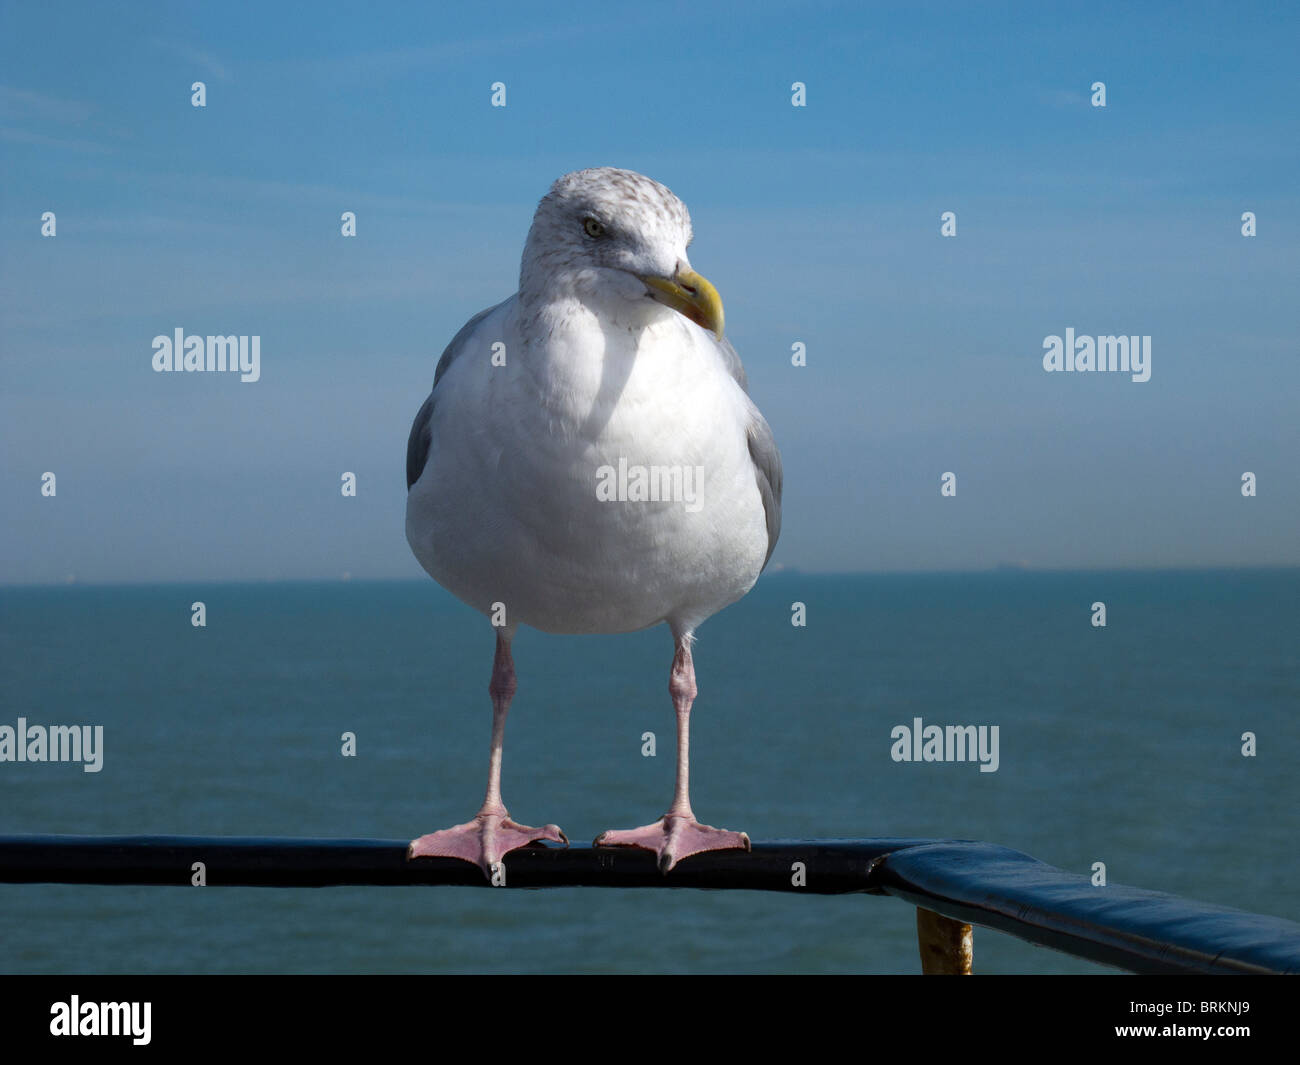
x=509, y=508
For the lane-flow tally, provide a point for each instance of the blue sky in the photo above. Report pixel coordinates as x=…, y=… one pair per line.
x=817, y=224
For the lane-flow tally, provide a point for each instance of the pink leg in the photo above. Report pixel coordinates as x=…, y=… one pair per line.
x=678, y=834
x=491, y=835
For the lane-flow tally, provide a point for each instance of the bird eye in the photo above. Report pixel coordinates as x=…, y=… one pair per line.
x=593, y=228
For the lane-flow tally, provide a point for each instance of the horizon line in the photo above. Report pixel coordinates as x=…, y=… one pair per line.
x=785, y=571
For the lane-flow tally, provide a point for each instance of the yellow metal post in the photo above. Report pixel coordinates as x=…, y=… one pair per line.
x=947, y=946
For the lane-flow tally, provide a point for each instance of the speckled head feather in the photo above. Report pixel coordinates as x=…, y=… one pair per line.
x=644, y=228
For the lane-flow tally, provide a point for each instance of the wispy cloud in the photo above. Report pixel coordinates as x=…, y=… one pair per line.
x=188, y=53
x=396, y=61
x=1063, y=97
x=76, y=144
x=24, y=105
x=298, y=193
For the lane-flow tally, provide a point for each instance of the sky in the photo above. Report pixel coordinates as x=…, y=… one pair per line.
x=820, y=225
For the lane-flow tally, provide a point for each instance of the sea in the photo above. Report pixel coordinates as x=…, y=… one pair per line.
x=1162, y=744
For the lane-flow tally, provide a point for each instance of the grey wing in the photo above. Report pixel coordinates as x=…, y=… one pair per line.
x=421, y=438
x=734, y=366
x=767, y=469
x=417, y=444
x=762, y=452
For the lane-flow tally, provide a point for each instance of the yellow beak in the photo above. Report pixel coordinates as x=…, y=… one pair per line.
x=692, y=295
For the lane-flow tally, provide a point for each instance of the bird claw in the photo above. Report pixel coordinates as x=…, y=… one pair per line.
x=674, y=837
x=485, y=841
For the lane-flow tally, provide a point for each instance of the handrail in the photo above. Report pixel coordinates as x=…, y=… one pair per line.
x=961, y=881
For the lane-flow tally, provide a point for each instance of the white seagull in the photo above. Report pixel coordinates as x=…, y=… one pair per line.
x=589, y=461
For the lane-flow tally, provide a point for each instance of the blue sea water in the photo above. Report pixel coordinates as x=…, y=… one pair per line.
x=1120, y=744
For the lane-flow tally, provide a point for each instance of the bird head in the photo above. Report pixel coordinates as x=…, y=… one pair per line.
x=624, y=232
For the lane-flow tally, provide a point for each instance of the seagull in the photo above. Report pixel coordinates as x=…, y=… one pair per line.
x=589, y=461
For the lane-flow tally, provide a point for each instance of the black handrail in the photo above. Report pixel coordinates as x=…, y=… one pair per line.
x=976, y=883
